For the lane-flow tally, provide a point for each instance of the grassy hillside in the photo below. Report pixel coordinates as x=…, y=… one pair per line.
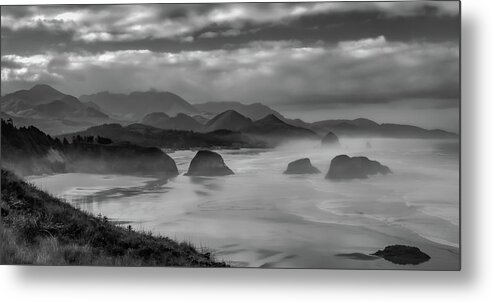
x=43, y=230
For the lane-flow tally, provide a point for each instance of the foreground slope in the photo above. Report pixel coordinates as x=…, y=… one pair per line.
x=43, y=230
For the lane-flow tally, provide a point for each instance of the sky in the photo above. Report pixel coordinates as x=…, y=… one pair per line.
x=388, y=61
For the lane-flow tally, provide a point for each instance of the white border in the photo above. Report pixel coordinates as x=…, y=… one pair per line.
x=473, y=283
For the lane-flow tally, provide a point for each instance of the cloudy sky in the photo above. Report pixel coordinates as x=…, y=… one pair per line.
x=389, y=61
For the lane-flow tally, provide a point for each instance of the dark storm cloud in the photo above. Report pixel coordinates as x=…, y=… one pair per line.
x=370, y=70
x=176, y=27
x=311, y=54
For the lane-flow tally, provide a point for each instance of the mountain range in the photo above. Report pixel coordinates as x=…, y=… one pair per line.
x=366, y=128
x=254, y=111
x=145, y=135
x=51, y=110
x=43, y=101
x=135, y=105
x=179, y=122
x=273, y=127
x=265, y=129
x=56, y=113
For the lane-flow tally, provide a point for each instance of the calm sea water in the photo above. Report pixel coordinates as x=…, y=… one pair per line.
x=260, y=217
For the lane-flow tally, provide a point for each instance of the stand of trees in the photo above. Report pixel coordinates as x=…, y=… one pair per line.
x=78, y=139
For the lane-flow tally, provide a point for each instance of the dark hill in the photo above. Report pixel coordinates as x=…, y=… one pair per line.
x=228, y=120
x=66, y=108
x=27, y=150
x=44, y=100
x=154, y=119
x=201, y=119
x=39, y=94
x=51, y=110
x=274, y=129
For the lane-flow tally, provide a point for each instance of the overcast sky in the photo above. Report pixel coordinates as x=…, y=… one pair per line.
x=389, y=61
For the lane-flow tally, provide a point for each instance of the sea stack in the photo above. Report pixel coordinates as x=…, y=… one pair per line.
x=208, y=163
x=330, y=139
x=345, y=167
x=301, y=166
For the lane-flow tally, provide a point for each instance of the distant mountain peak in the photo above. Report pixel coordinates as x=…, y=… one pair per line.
x=157, y=114
x=253, y=111
x=44, y=88
x=228, y=120
x=231, y=112
x=137, y=104
x=181, y=121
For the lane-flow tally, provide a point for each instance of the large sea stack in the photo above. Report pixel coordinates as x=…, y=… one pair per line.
x=330, y=139
x=301, y=166
x=345, y=167
x=208, y=163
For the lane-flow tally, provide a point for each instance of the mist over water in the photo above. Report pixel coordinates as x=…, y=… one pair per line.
x=262, y=217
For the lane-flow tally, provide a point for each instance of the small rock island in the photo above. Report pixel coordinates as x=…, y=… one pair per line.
x=345, y=167
x=403, y=254
x=208, y=163
x=301, y=166
x=330, y=140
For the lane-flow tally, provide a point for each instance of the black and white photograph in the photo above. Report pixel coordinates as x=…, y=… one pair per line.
x=300, y=135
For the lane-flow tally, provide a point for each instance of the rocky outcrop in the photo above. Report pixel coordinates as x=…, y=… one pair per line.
x=208, y=163
x=228, y=120
x=403, y=254
x=345, y=167
x=301, y=166
x=330, y=139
